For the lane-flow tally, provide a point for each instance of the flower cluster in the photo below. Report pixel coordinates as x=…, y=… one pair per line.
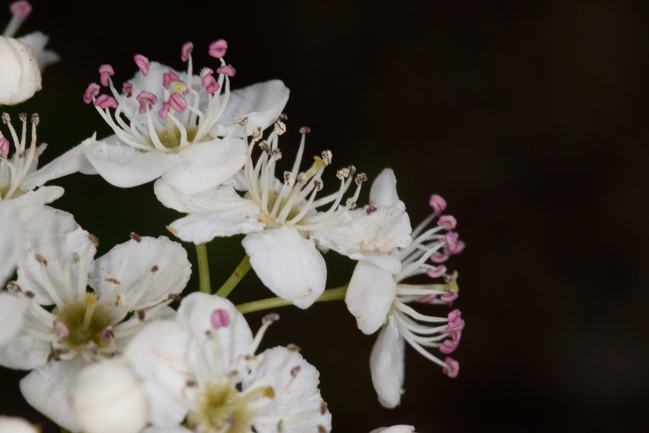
x=110, y=342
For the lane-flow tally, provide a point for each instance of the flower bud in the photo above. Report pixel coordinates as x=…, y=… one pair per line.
x=108, y=398
x=9, y=424
x=20, y=76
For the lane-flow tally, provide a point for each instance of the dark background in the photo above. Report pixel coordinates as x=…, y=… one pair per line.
x=530, y=118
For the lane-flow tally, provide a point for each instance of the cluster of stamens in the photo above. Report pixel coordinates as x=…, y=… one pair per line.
x=14, y=170
x=295, y=202
x=181, y=120
x=436, y=244
x=215, y=398
x=81, y=323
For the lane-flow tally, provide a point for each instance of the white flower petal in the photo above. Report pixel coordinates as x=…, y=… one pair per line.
x=12, y=309
x=261, y=102
x=37, y=41
x=20, y=76
x=206, y=165
x=55, y=236
x=12, y=233
x=16, y=425
x=49, y=390
x=70, y=162
x=30, y=204
x=170, y=258
x=301, y=397
x=168, y=429
x=221, y=346
x=370, y=295
x=123, y=165
x=386, y=365
x=384, y=190
x=157, y=356
x=395, y=429
x=24, y=352
x=287, y=264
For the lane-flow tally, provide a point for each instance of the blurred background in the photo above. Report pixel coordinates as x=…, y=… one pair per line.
x=529, y=118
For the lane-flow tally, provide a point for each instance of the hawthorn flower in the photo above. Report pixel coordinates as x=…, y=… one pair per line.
x=379, y=299
x=201, y=368
x=276, y=216
x=21, y=183
x=177, y=125
x=132, y=283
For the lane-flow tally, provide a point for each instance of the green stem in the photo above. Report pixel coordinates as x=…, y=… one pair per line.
x=203, y=269
x=235, y=278
x=336, y=294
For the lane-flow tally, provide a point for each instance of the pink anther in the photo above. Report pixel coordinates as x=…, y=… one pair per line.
x=218, y=48
x=449, y=296
x=142, y=63
x=105, y=71
x=177, y=102
x=4, y=148
x=127, y=89
x=448, y=346
x=437, y=203
x=107, y=335
x=210, y=84
x=168, y=78
x=21, y=8
x=452, y=367
x=459, y=247
x=437, y=272
x=220, y=319
x=447, y=221
x=455, y=322
x=164, y=111
x=146, y=100
x=186, y=51
x=226, y=70
x=451, y=241
x=60, y=329
x=105, y=101
x=91, y=92
x=439, y=257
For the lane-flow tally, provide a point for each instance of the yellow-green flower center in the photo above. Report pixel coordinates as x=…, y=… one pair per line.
x=85, y=322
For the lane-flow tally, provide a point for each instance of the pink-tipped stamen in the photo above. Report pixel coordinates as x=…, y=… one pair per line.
x=220, y=319
x=226, y=70
x=91, y=92
x=105, y=101
x=452, y=367
x=142, y=63
x=105, y=71
x=218, y=48
x=147, y=100
x=186, y=51
x=437, y=203
x=21, y=8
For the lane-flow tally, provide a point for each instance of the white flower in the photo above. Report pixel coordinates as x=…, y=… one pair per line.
x=20, y=76
x=20, y=10
x=134, y=281
x=106, y=389
x=16, y=425
x=182, y=127
x=201, y=368
x=20, y=180
x=395, y=429
x=11, y=240
x=377, y=298
x=277, y=217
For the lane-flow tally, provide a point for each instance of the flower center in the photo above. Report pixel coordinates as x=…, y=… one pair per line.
x=224, y=409
x=13, y=170
x=84, y=324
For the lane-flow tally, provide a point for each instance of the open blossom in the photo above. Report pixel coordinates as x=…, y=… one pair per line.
x=379, y=299
x=133, y=282
x=276, y=216
x=21, y=183
x=178, y=125
x=201, y=368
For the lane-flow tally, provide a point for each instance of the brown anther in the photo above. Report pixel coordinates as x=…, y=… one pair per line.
x=282, y=116
x=141, y=314
x=350, y=203
x=56, y=354
x=75, y=258
x=280, y=128
x=301, y=178
x=288, y=178
x=23, y=117
x=327, y=156
x=241, y=120
x=191, y=383
x=154, y=268
x=249, y=357
x=277, y=154
x=323, y=408
x=112, y=280
x=295, y=370
x=6, y=118
x=137, y=238
x=263, y=145
x=293, y=347
x=271, y=317
x=305, y=130
x=40, y=259
x=36, y=119
x=360, y=178
x=30, y=294
x=280, y=426
x=13, y=287
x=22, y=154
x=256, y=133
x=318, y=184
x=371, y=209
x=174, y=296
x=94, y=239
x=321, y=429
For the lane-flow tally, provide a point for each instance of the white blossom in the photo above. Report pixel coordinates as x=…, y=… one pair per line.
x=132, y=283
x=20, y=76
x=379, y=299
x=184, y=128
x=202, y=368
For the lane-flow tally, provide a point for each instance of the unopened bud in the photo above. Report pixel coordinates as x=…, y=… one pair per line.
x=20, y=76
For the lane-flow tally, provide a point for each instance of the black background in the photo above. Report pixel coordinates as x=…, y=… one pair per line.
x=530, y=118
